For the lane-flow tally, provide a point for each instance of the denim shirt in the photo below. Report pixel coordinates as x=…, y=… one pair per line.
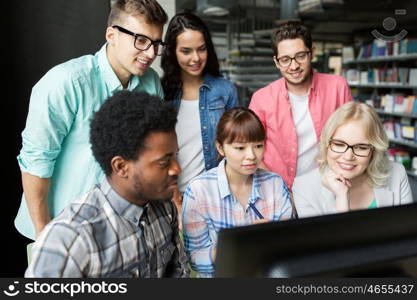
x=216, y=95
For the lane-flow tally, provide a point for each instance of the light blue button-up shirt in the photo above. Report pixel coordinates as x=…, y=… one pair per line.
x=56, y=137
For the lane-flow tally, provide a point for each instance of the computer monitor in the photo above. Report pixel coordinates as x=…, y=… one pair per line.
x=369, y=243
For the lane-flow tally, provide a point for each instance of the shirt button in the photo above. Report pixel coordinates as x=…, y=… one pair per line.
x=204, y=127
x=293, y=149
x=202, y=107
x=205, y=147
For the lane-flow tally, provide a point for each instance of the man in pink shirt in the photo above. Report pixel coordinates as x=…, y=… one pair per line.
x=295, y=108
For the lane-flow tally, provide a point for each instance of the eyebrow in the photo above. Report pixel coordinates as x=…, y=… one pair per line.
x=169, y=155
x=188, y=48
x=361, y=143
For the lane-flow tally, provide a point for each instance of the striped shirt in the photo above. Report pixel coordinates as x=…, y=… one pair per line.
x=209, y=206
x=103, y=235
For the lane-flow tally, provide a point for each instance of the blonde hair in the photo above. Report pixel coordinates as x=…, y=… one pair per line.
x=378, y=168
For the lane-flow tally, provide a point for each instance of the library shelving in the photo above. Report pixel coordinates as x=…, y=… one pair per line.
x=384, y=74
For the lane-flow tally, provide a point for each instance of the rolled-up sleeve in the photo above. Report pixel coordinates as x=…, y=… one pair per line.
x=51, y=113
x=197, y=242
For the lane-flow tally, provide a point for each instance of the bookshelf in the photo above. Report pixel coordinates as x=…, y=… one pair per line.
x=396, y=114
x=384, y=74
x=383, y=86
x=387, y=58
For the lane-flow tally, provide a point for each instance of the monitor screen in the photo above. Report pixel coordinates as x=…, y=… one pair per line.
x=368, y=243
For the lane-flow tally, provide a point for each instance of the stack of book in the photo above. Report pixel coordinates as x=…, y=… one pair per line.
x=384, y=75
x=399, y=103
x=401, y=130
x=388, y=48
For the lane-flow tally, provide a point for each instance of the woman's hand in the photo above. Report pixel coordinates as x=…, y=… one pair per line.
x=340, y=187
x=260, y=221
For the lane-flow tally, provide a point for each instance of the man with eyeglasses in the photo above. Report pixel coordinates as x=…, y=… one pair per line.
x=294, y=109
x=56, y=161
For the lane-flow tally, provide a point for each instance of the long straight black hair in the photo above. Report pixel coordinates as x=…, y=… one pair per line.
x=171, y=81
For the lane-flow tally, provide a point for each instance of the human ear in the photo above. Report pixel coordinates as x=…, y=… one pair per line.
x=276, y=62
x=120, y=166
x=219, y=148
x=110, y=35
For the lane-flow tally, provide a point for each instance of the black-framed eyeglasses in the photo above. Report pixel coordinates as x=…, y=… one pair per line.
x=362, y=150
x=299, y=57
x=142, y=42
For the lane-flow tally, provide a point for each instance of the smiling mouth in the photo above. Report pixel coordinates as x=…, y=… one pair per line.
x=250, y=166
x=346, y=167
x=195, y=67
x=143, y=62
x=296, y=74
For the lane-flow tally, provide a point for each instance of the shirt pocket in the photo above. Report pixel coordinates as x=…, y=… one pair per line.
x=216, y=108
x=166, y=251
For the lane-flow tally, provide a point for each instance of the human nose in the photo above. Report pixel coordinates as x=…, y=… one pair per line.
x=196, y=56
x=294, y=64
x=150, y=52
x=349, y=155
x=175, y=168
x=250, y=153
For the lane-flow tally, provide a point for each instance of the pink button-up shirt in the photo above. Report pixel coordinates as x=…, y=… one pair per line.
x=273, y=108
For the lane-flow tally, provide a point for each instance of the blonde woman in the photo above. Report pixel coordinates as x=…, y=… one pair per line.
x=354, y=172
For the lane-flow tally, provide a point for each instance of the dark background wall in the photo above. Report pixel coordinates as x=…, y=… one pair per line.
x=39, y=35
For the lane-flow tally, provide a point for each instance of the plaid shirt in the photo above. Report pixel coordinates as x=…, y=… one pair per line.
x=210, y=206
x=103, y=235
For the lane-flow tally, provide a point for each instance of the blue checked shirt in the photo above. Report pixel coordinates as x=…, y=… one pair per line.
x=103, y=235
x=209, y=206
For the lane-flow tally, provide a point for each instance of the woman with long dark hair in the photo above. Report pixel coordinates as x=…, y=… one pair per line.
x=193, y=81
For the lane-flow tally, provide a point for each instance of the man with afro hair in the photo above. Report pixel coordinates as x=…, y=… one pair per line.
x=126, y=226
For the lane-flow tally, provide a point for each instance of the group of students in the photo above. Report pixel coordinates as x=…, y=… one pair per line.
x=197, y=153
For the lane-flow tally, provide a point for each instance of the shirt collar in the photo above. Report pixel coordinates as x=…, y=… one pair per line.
x=110, y=78
x=120, y=205
x=224, y=184
x=222, y=180
x=208, y=80
x=313, y=88
x=256, y=188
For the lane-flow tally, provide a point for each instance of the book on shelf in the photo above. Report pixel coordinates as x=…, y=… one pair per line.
x=413, y=77
x=408, y=132
x=399, y=104
x=403, y=75
x=389, y=129
x=387, y=103
x=347, y=54
x=397, y=130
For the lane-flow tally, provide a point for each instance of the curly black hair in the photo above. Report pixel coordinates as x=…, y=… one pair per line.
x=121, y=125
x=171, y=81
